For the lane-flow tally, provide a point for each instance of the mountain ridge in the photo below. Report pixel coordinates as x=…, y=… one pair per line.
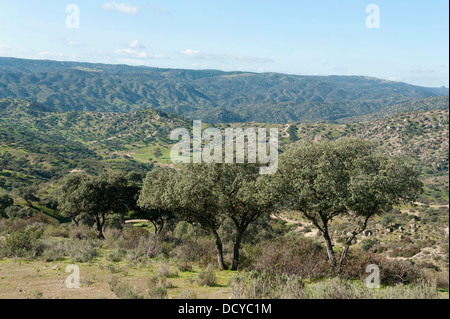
x=210, y=95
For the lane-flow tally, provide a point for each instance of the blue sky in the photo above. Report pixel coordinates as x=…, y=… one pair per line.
x=320, y=37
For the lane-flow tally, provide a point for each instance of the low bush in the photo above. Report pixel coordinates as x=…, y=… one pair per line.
x=187, y=294
x=391, y=271
x=406, y=252
x=61, y=231
x=132, y=237
x=25, y=243
x=207, y=277
x=84, y=251
x=158, y=292
x=166, y=271
x=202, y=251
x=125, y=291
x=116, y=255
x=149, y=246
x=300, y=257
x=256, y=285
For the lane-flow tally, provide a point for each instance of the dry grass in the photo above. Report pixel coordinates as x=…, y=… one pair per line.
x=21, y=279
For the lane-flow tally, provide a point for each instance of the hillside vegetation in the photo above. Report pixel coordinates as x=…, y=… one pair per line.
x=38, y=144
x=212, y=96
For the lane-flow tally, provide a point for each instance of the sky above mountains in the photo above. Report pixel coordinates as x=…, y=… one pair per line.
x=396, y=40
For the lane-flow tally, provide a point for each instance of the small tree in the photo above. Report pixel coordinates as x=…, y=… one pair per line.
x=92, y=199
x=345, y=178
x=153, y=202
x=157, y=152
x=209, y=194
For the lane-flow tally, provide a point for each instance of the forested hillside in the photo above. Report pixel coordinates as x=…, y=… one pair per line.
x=212, y=96
x=38, y=145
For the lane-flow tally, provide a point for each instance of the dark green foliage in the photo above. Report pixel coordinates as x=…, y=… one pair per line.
x=94, y=200
x=346, y=178
x=5, y=202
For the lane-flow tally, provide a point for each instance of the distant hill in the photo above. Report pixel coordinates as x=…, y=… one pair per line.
x=209, y=95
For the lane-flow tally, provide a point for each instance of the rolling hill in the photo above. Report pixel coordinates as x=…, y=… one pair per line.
x=39, y=145
x=209, y=95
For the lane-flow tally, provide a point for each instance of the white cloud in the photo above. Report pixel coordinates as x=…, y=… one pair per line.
x=121, y=7
x=74, y=44
x=136, y=54
x=193, y=54
x=135, y=44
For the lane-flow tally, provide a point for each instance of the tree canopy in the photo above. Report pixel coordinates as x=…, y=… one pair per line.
x=92, y=199
x=346, y=178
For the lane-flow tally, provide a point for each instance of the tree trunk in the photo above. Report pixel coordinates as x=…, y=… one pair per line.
x=100, y=227
x=220, y=252
x=330, y=251
x=156, y=227
x=346, y=248
x=350, y=240
x=236, y=247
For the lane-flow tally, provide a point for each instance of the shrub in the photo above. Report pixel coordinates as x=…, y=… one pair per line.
x=23, y=243
x=406, y=252
x=84, y=251
x=257, y=285
x=19, y=212
x=391, y=271
x=439, y=279
x=165, y=270
x=368, y=244
x=113, y=283
x=188, y=294
x=124, y=291
x=150, y=246
x=300, y=257
x=337, y=288
x=420, y=290
x=157, y=287
x=79, y=232
x=185, y=267
x=116, y=255
x=57, y=231
x=132, y=237
x=159, y=292
x=202, y=250
x=207, y=277
x=54, y=250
